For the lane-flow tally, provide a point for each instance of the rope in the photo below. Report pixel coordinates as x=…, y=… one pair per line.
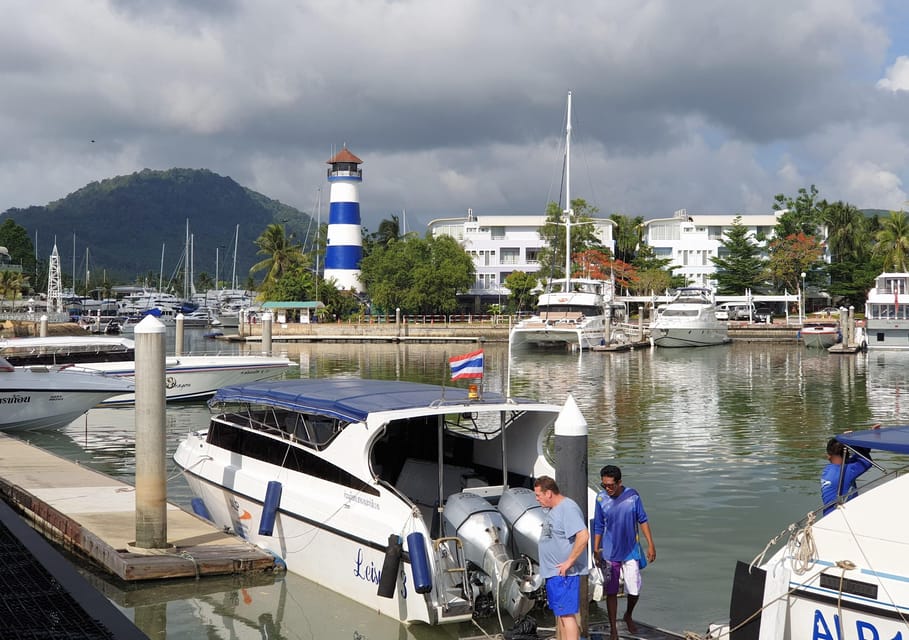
x=802, y=549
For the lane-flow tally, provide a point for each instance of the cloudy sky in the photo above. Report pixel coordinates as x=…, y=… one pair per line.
x=709, y=105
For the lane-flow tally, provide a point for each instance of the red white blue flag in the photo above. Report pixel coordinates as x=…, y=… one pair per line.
x=470, y=365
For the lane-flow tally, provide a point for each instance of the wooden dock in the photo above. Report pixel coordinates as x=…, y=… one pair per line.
x=93, y=516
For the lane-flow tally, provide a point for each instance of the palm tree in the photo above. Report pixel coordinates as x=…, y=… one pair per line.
x=893, y=242
x=847, y=236
x=282, y=252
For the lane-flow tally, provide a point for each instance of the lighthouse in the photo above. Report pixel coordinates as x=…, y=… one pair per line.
x=345, y=242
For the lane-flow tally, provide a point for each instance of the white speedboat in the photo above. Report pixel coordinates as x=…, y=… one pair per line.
x=887, y=312
x=412, y=499
x=845, y=575
x=46, y=398
x=820, y=336
x=689, y=320
x=570, y=313
x=189, y=377
x=57, y=350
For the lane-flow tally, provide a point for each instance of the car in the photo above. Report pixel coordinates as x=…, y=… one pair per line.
x=763, y=314
x=828, y=312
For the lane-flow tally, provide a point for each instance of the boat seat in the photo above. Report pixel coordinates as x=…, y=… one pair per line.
x=419, y=481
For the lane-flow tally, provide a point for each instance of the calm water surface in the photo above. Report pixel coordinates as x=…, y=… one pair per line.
x=725, y=444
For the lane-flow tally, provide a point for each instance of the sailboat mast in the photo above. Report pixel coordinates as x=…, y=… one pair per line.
x=233, y=280
x=568, y=195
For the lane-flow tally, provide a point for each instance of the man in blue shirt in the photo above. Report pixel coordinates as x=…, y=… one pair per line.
x=830, y=476
x=618, y=513
x=563, y=554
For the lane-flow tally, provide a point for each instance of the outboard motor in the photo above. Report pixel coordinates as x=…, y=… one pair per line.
x=525, y=517
x=484, y=535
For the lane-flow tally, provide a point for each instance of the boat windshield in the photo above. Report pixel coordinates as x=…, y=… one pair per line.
x=680, y=313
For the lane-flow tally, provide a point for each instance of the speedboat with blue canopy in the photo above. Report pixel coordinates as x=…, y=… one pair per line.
x=412, y=499
x=843, y=575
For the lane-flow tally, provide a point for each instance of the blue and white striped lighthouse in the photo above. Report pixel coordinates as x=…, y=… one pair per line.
x=345, y=242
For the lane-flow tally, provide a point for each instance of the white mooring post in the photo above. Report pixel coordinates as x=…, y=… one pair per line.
x=178, y=337
x=266, y=333
x=151, y=481
x=571, y=470
x=42, y=326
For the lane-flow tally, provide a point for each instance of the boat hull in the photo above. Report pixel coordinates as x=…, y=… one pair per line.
x=340, y=549
x=552, y=336
x=689, y=337
x=192, y=377
x=28, y=410
x=819, y=338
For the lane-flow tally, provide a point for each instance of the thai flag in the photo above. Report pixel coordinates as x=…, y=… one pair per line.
x=470, y=365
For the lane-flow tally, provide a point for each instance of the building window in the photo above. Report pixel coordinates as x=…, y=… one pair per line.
x=509, y=255
x=533, y=255
x=497, y=233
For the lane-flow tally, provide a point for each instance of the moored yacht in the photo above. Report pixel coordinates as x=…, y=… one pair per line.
x=189, y=377
x=689, y=320
x=887, y=312
x=570, y=313
x=414, y=500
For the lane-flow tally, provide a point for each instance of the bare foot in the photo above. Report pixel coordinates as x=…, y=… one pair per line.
x=632, y=627
x=614, y=635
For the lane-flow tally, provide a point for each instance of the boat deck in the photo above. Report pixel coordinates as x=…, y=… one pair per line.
x=94, y=516
x=599, y=631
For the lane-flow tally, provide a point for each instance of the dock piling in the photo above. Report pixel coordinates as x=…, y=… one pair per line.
x=266, y=333
x=151, y=482
x=178, y=336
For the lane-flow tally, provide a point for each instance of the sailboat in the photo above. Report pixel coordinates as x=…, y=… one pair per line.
x=571, y=312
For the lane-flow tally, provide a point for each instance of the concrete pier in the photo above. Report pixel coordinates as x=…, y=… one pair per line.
x=94, y=516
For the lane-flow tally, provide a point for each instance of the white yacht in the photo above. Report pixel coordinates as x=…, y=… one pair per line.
x=689, y=320
x=570, y=313
x=189, y=377
x=47, y=398
x=840, y=575
x=414, y=500
x=887, y=312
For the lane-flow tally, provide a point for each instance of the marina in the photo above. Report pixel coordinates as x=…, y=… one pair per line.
x=714, y=439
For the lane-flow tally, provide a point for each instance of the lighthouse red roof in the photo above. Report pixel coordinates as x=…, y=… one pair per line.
x=344, y=155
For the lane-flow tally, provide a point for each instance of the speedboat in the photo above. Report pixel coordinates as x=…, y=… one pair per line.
x=188, y=377
x=820, y=336
x=414, y=500
x=57, y=350
x=689, y=320
x=842, y=575
x=570, y=313
x=47, y=398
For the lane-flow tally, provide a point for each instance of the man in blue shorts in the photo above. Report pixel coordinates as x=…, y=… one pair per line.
x=563, y=555
x=830, y=476
x=618, y=513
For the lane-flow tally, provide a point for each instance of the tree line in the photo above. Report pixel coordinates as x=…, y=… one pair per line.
x=423, y=275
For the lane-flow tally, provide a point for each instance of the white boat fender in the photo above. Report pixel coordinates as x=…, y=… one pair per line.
x=389, y=576
x=419, y=562
x=270, y=508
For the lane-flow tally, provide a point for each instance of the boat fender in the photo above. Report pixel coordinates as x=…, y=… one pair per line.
x=389, y=577
x=199, y=508
x=270, y=508
x=419, y=562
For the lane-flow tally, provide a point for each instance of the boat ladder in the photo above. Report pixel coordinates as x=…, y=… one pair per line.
x=454, y=592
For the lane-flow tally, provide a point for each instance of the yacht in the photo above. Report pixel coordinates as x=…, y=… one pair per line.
x=840, y=575
x=570, y=313
x=189, y=377
x=689, y=320
x=887, y=312
x=41, y=397
x=414, y=500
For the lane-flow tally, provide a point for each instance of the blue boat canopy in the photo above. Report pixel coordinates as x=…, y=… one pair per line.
x=350, y=399
x=894, y=439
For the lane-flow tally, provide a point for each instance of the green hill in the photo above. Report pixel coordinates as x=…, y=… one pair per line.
x=123, y=223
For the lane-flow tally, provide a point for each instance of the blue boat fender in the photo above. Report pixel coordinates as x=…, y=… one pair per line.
x=199, y=508
x=419, y=562
x=389, y=577
x=270, y=508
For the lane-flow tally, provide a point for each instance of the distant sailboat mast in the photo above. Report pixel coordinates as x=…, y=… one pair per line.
x=233, y=280
x=568, y=197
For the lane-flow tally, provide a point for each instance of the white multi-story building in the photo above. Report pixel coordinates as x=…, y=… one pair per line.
x=500, y=245
x=691, y=240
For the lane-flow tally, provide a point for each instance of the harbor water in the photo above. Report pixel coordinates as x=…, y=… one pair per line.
x=725, y=445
